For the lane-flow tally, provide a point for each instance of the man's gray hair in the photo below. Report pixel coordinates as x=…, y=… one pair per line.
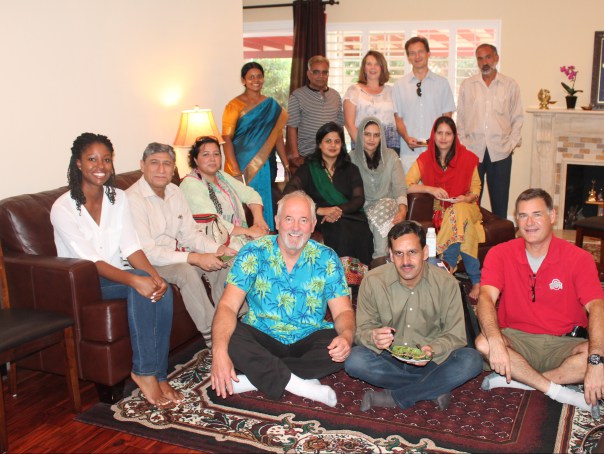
x=299, y=194
x=317, y=59
x=535, y=193
x=155, y=147
x=488, y=46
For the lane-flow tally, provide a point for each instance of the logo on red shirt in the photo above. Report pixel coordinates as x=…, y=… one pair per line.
x=555, y=284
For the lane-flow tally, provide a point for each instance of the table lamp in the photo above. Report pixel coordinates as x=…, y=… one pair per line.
x=193, y=123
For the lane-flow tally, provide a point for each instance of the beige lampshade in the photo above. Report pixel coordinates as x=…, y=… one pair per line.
x=194, y=123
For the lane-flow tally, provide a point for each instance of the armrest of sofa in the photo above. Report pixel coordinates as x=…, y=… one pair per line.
x=51, y=283
x=497, y=230
x=420, y=208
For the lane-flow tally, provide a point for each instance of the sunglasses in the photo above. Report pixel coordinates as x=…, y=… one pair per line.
x=419, y=88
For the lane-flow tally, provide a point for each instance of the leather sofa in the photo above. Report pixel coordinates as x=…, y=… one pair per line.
x=497, y=230
x=39, y=279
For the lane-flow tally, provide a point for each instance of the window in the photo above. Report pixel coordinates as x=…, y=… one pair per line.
x=452, y=46
x=273, y=50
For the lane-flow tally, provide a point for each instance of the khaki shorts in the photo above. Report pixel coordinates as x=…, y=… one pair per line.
x=542, y=351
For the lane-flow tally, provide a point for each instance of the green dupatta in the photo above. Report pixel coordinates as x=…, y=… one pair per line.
x=324, y=185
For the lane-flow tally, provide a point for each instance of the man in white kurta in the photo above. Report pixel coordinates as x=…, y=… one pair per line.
x=169, y=237
x=489, y=123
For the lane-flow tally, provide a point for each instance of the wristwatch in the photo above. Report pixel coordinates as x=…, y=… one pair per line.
x=595, y=360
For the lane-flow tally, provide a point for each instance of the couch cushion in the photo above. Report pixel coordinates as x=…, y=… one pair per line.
x=25, y=223
x=25, y=226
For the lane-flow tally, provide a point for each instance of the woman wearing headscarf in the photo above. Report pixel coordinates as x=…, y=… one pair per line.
x=383, y=182
x=449, y=172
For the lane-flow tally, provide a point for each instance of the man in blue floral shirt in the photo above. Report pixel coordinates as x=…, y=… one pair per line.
x=283, y=342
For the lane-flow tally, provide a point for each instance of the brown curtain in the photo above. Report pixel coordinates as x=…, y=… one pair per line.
x=309, y=38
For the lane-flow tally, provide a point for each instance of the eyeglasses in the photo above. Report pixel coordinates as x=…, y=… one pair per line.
x=202, y=140
x=419, y=88
x=532, y=283
x=316, y=72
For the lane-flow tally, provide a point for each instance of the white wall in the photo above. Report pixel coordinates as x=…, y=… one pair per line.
x=123, y=68
x=537, y=37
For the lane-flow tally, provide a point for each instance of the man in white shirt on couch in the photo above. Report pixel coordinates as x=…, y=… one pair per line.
x=169, y=236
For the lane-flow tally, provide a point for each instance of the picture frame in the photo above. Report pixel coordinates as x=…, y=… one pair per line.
x=597, y=77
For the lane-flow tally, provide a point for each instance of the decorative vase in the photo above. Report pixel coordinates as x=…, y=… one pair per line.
x=571, y=102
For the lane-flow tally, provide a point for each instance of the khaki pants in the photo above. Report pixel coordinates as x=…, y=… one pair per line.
x=188, y=279
x=542, y=351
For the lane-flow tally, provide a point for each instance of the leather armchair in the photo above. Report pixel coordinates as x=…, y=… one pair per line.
x=496, y=229
x=35, y=272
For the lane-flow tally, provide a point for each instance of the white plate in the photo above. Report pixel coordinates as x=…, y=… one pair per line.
x=412, y=361
x=409, y=360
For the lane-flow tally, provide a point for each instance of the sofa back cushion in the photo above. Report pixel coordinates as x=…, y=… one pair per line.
x=25, y=223
x=25, y=226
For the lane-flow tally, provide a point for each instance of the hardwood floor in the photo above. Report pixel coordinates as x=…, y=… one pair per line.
x=41, y=420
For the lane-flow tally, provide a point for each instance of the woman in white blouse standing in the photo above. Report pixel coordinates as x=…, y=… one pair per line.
x=371, y=97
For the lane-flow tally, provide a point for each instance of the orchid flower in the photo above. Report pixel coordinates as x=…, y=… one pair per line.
x=571, y=74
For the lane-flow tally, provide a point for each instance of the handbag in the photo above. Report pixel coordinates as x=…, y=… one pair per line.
x=211, y=226
x=354, y=270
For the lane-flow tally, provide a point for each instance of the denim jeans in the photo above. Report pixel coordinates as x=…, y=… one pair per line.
x=410, y=384
x=472, y=264
x=150, y=325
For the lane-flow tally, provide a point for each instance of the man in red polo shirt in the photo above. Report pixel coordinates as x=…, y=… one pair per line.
x=546, y=288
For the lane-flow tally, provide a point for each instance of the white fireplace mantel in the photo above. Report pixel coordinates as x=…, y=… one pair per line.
x=562, y=137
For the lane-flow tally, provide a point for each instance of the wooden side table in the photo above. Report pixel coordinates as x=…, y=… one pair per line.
x=594, y=227
x=600, y=206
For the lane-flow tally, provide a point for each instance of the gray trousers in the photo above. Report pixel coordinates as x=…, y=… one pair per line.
x=380, y=244
x=188, y=279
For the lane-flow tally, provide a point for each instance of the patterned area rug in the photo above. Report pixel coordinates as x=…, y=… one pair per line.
x=503, y=420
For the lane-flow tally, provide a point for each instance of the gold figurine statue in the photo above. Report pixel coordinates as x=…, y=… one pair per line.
x=544, y=99
x=591, y=197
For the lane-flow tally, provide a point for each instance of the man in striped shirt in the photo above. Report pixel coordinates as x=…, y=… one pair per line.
x=309, y=108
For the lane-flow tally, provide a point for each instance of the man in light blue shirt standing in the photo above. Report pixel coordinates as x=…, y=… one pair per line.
x=420, y=97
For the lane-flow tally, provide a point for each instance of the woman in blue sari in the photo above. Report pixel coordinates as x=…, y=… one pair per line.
x=252, y=126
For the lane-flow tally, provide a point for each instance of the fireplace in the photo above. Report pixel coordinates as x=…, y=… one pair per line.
x=580, y=179
x=563, y=139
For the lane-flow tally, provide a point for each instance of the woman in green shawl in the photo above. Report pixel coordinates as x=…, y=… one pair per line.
x=336, y=186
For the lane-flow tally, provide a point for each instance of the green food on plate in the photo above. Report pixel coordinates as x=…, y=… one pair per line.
x=412, y=353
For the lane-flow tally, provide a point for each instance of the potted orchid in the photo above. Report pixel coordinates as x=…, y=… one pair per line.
x=571, y=74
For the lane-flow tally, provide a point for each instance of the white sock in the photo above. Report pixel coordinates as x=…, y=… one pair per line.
x=243, y=385
x=499, y=381
x=312, y=390
x=566, y=395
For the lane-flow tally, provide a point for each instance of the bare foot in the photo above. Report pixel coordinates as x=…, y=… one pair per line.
x=149, y=386
x=475, y=291
x=170, y=393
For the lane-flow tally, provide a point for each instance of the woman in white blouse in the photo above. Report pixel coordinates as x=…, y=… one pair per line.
x=92, y=221
x=371, y=97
